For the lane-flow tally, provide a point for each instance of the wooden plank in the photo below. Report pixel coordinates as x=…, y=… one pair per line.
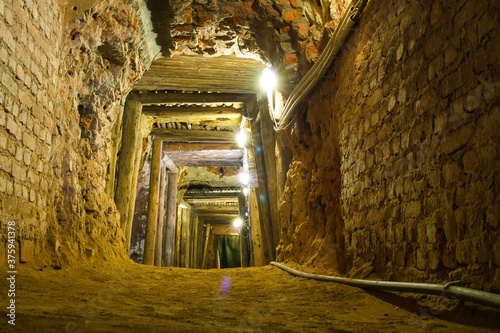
x=225, y=230
x=171, y=214
x=169, y=164
x=175, y=134
x=126, y=162
x=216, y=195
x=208, y=231
x=180, y=146
x=151, y=98
x=262, y=192
x=255, y=231
x=198, y=112
x=185, y=237
x=216, y=209
x=269, y=154
x=244, y=232
x=161, y=216
x=152, y=217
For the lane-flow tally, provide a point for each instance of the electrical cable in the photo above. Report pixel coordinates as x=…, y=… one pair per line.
x=448, y=290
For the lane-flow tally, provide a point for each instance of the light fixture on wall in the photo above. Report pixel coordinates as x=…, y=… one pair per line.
x=245, y=191
x=241, y=138
x=268, y=79
x=183, y=205
x=244, y=178
x=238, y=223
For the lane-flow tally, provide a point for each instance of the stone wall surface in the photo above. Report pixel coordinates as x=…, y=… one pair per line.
x=396, y=160
x=60, y=96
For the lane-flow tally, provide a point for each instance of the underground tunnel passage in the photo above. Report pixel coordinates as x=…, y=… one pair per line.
x=249, y=166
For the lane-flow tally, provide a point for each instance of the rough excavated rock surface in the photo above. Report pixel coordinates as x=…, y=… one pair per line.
x=396, y=164
x=62, y=87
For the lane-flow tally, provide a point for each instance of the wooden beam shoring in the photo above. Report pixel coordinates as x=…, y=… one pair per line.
x=171, y=219
x=269, y=154
x=133, y=188
x=180, y=146
x=166, y=134
x=244, y=232
x=161, y=211
x=150, y=98
x=169, y=164
x=126, y=162
x=192, y=111
x=210, y=163
x=263, y=195
x=208, y=230
x=152, y=217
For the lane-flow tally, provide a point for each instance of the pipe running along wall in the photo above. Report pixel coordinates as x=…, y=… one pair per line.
x=311, y=78
x=465, y=294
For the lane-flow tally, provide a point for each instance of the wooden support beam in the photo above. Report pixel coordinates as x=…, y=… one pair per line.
x=208, y=231
x=262, y=192
x=255, y=229
x=207, y=209
x=244, y=232
x=126, y=162
x=171, y=215
x=169, y=164
x=211, y=195
x=228, y=230
x=133, y=188
x=194, y=241
x=166, y=134
x=190, y=98
x=180, y=146
x=185, y=237
x=197, y=112
x=149, y=246
x=161, y=216
x=269, y=154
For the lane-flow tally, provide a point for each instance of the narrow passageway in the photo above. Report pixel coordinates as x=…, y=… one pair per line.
x=138, y=298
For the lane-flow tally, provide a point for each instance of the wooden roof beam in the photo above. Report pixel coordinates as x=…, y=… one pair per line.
x=173, y=134
x=192, y=111
x=151, y=98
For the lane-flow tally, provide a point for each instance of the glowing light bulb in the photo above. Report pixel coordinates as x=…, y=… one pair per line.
x=237, y=223
x=241, y=138
x=183, y=205
x=245, y=191
x=268, y=79
x=244, y=178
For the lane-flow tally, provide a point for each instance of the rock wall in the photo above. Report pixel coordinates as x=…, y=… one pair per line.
x=396, y=160
x=61, y=91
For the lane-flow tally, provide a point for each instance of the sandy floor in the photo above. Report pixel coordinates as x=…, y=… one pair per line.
x=136, y=298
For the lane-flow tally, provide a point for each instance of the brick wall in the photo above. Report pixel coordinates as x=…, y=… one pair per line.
x=401, y=141
x=60, y=94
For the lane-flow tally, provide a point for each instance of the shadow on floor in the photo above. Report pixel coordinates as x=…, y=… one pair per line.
x=430, y=307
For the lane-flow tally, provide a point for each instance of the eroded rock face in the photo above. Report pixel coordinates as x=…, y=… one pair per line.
x=69, y=83
x=288, y=34
x=402, y=136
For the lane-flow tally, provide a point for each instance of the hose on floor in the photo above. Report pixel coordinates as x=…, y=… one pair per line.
x=448, y=290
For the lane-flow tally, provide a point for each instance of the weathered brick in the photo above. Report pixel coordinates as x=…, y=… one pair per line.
x=292, y=15
x=13, y=127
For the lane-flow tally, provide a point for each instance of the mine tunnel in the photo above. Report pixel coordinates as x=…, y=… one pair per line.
x=250, y=165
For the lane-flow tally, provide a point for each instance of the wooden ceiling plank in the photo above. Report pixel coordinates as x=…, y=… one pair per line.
x=151, y=98
x=172, y=134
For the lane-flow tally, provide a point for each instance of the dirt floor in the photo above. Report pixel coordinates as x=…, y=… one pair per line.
x=137, y=298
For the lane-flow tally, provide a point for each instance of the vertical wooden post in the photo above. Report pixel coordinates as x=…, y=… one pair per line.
x=269, y=153
x=257, y=247
x=161, y=216
x=133, y=188
x=126, y=162
x=178, y=235
x=244, y=232
x=171, y=218
x=208, y=231
x=149, y=246
x=185, y=237
x=115, y=144
x=263, y=196
x=194, y=241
